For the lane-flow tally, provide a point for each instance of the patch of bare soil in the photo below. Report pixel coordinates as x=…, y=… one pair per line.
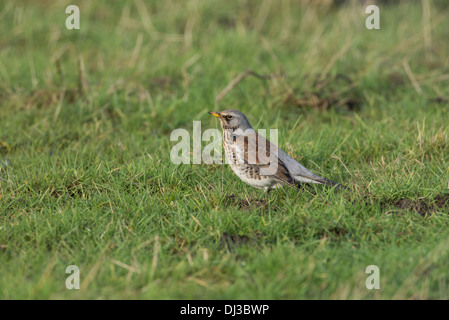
x=422, y=206
x=231, y=241
x=323, y=93
x=246, y=204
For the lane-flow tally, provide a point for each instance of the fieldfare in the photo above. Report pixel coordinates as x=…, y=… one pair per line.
x=257, y=161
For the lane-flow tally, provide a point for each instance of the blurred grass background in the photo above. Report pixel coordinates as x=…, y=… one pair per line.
x=86, y=179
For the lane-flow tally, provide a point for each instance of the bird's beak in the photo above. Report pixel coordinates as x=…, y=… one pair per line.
x=215, y=114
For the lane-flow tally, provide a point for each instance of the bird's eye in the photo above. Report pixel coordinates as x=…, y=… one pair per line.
x=229, y=117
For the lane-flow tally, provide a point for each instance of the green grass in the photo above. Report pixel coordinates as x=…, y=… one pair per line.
x=85, y=171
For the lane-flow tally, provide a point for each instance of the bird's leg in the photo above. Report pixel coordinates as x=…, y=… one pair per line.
x=265, y=194
x=267, y=191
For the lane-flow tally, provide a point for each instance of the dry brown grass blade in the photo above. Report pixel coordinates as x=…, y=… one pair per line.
x=239, y=78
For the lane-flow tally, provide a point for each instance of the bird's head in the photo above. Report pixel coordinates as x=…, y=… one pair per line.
x=232, y=119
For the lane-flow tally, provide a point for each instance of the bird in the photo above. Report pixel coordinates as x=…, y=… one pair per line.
x=247, y=151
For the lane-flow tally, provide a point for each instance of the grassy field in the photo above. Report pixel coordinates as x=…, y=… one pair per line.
x=85, y=171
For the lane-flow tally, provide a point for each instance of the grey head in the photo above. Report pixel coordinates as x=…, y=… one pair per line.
x=232, y=119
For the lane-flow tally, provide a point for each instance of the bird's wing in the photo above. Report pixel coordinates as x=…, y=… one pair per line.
x=287, y=167
x=253, y=149
x=301, y=173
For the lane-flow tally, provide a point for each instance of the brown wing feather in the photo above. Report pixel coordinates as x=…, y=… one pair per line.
x=256, y=153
